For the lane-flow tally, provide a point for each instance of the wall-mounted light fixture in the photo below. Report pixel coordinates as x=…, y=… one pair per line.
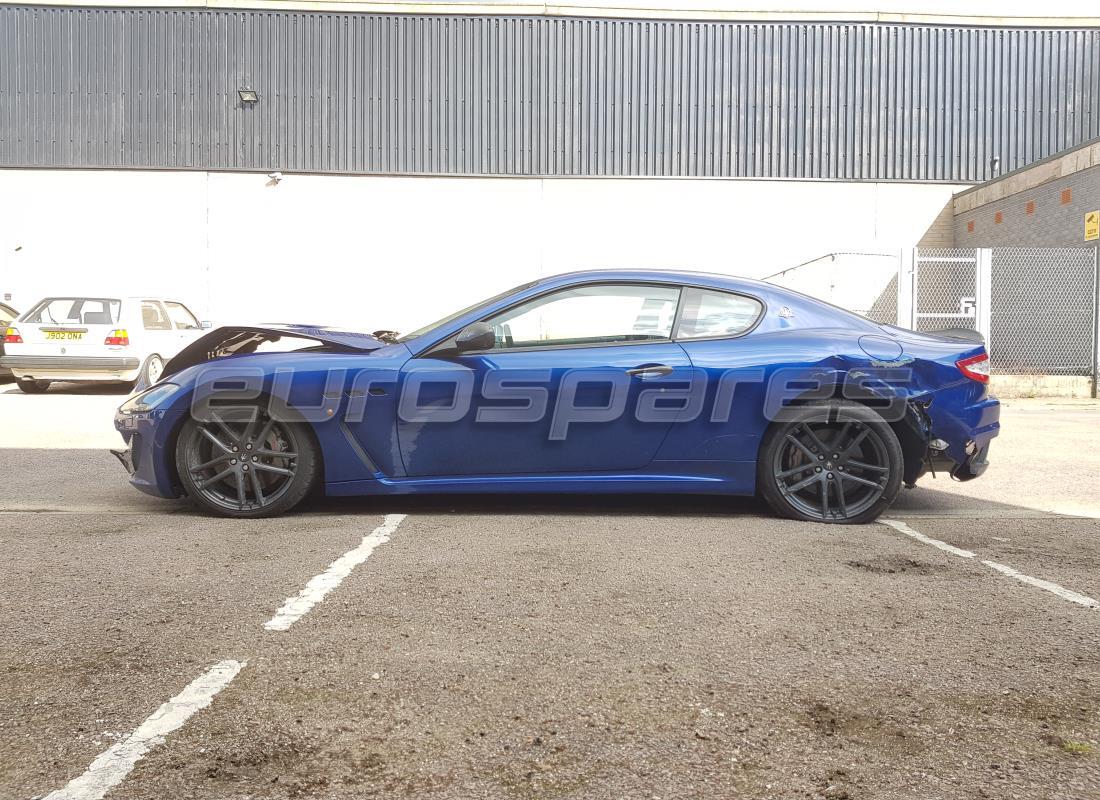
x=248, y=96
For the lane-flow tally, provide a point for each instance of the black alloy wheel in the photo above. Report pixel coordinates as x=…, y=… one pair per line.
x=834, y=462
x=246, y=464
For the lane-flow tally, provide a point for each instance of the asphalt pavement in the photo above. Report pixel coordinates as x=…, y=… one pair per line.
x=536, y=647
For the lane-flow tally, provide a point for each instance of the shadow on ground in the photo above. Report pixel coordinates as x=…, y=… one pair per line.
x=62, y=479
x=62, y=387
x=918, y=502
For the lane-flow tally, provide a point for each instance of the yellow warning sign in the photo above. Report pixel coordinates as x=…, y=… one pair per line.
x=1092, y=226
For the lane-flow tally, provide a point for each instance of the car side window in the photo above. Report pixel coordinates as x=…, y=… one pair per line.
x=706, y=313
x=589, y=315
x=154, y=317
x=182, y=317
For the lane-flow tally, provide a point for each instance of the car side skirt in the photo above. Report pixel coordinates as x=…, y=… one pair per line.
x=710, y=477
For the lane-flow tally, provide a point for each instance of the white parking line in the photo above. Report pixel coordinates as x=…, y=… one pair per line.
x=901, y=527
x=1053, y=588
x=115, y=763
x=1061, y=591
x=314, y=592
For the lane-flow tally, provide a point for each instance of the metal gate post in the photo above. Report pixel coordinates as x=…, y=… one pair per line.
x=983, y=290
x=1095, y=318
x=907, y=301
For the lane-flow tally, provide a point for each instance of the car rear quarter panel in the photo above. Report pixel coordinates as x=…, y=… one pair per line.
x=768, y=366
x=745, y=377
x=961, y=410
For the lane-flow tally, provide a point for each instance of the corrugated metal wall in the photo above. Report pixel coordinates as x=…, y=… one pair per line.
x=370, y=93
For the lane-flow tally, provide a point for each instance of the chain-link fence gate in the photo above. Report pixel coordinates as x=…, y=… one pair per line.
x=934, y=289
x=1036, y=307
x=945, y=289
x=1042, y=311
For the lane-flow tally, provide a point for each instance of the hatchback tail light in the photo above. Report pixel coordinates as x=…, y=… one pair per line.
x=118, y=338
x=11, y=336
x=976, y=367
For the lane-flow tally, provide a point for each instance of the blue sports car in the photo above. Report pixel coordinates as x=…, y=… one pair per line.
x=602, y=381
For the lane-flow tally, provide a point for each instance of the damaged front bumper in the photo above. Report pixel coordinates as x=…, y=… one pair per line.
x=126, y=458
x=148, y=455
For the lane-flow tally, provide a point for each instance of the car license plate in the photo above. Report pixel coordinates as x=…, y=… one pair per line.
x=64, y=336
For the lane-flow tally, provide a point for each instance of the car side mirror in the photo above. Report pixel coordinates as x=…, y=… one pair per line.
x=476, y=336
x=206, y=324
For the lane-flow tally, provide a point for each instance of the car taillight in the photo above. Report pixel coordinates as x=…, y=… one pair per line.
x=976, y=367
x=11, y=336
x=118, y=338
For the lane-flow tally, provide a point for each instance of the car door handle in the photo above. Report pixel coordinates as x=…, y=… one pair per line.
x=652, y=371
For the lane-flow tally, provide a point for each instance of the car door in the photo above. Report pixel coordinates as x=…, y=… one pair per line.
x=185, y=323
x=158, y=335
x=715, y=328
x=559, y=392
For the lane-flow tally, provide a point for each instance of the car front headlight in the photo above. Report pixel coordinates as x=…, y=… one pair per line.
x=149, y=399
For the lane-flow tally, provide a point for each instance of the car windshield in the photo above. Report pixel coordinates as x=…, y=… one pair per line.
x=468, y=310
x=74, y=311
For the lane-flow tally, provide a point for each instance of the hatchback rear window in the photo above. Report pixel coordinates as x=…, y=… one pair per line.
x=74, y=311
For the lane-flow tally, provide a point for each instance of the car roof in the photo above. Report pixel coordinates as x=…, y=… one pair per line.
x=688, y=276
x=769, y=292
x=89, y=296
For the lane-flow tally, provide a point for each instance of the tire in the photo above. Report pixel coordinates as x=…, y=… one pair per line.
x=280, y=464
x=28, y=386
x=151, y=370
x=831, y=461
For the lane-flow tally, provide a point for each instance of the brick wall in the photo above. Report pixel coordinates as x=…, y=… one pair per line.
x=941, y=233
x=1049, y=215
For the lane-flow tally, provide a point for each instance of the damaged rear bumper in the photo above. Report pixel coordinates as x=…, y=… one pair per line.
x=951, y=433
x=969, y=468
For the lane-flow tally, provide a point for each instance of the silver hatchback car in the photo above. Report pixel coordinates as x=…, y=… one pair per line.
x=123, y=340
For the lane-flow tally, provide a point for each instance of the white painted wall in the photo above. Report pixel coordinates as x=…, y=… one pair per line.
x=397, y=252
x=852, y=280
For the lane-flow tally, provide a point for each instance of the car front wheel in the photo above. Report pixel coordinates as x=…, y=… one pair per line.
x=247, y=464
x=831, y=461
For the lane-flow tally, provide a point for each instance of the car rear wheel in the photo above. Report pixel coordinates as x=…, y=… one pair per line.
x=28, y=386
x=832, y=461
x=151, y=371
x=246, y=464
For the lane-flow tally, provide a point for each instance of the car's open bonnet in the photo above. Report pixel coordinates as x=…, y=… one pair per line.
x=242, y=339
